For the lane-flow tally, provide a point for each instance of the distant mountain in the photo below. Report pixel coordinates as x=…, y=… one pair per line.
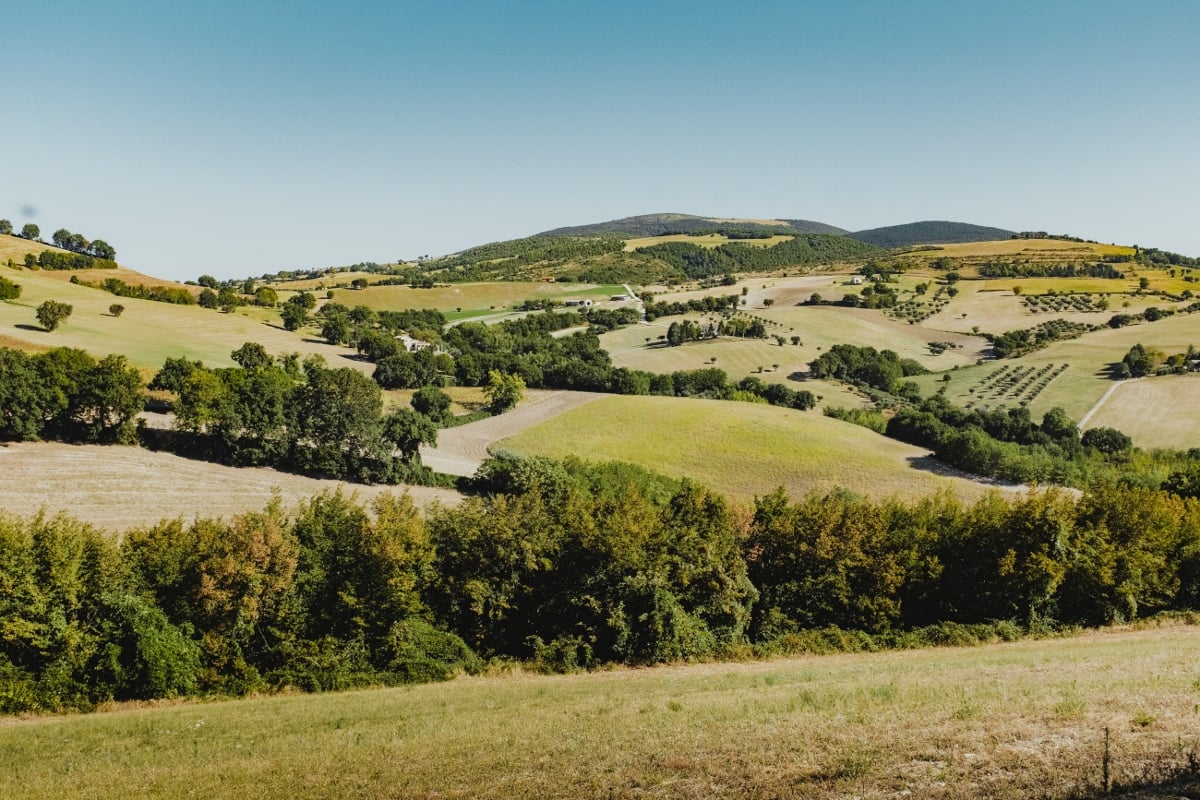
x=929, y=232
x=661, y=224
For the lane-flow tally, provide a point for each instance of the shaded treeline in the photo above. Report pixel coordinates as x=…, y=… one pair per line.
x=563, y=565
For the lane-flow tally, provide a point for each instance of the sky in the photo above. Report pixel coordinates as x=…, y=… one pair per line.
x=240, y=138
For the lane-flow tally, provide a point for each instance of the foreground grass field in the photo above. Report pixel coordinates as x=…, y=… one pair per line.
x=1017, y=720
x=739, y=449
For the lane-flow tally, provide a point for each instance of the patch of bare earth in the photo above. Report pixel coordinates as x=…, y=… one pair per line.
x=116, y=488
x=461, y=450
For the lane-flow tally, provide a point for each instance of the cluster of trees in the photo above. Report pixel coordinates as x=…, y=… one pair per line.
x=705, y=305
x=77, y=243
x=28, y=231
x=1007, y=444
x=567, y=566
x=1025, y=340
x=881, y=369
x=1141, y=361
x=52, y=259
x=1151, y=314
x=67, y=395
x=162, y=294
x=1025, y=269
x=696, y=261
x=293, y=415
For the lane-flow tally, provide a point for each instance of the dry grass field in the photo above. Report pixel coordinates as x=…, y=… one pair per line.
x=711, y=240
x=474, y=297
x=148, y=332
x=1005, y=721
x=740, y=449
x=1038, y=249
x=116, y=488
x=1156, y=412
x=819, y=327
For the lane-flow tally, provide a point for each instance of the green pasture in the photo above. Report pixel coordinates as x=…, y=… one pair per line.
x=1006, y=721
x=740, y=449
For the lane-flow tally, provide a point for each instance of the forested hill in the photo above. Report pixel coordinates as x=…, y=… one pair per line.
x=929, y=232
x=662, y=224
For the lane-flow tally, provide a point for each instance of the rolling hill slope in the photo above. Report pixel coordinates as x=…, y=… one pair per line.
x=661, y=224
x=929, y=232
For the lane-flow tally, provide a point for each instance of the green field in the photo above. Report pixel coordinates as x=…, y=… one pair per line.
x=148, y=331
x=740, y=449
x=1007, y=721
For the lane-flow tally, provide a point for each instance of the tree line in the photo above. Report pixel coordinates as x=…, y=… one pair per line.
x=298, y=416
x=696, y=261
x=562, y=565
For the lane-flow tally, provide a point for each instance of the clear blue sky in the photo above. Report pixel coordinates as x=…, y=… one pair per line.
x=237, y=138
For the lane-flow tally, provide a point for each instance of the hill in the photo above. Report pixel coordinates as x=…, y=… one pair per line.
x=929, y=232
x=740, y=449
x=662, y=224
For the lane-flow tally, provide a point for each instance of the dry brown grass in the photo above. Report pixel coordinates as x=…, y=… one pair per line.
x=1006, y=721
x=1041, y=249
x=116, y=488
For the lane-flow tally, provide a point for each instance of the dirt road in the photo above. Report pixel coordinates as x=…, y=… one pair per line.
x=461, y=450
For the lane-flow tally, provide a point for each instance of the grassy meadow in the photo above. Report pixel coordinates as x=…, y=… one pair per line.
x=739, y=449
x=1006, y=721
x=148, y=331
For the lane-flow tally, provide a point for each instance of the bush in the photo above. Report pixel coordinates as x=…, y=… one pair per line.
x=420, y=653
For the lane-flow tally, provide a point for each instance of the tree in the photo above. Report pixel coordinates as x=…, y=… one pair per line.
x=30, y=231
x=52, y=313
x=102, y=249
x=6, y=227
x=1106, y=440
x=116, y=309
x=432, y=402
x=266, y=296
x=408, y=430
x=9, y=290
x=504, y=391
x=208, y=281
x=251, y=355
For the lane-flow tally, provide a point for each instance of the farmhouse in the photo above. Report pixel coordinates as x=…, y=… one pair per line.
x=618, y=298
x=856, y=280
x=410, y=344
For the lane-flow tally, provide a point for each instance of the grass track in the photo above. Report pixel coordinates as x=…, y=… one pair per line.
x=1005, y=721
